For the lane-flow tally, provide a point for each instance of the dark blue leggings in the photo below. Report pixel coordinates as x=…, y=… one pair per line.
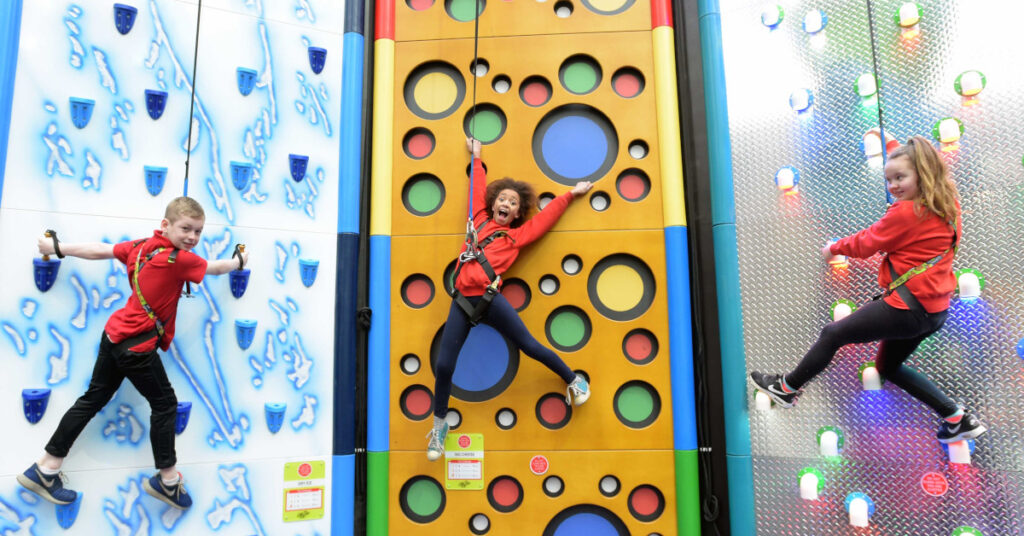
x=500, y=316
x=899, y=330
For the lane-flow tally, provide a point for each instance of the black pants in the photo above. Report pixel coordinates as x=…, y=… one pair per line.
x=114, y=363
x=899, y=330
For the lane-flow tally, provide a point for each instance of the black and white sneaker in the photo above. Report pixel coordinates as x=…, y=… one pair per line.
x=771, y=385
x=969, y=427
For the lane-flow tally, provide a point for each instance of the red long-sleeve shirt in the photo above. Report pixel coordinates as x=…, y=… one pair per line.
x=502, y=251
x=909, y=240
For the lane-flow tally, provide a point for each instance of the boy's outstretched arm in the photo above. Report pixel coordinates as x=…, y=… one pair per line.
x=82, y=250
x=223, y=266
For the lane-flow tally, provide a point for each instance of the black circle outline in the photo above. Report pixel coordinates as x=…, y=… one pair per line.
x=535, y=79
x=622, y=71
x=643, y=177
x=499, y=387
x=498, y=78
x=646, y=277
x=655, y=404
x=575, y=110
x=601, y=194
x=486, y=107
x=473, y=529
x=408, y=186
x=657, y=513
x=479, y=61
x=401, y=363
x=580, y=58
x=561, y=486
x=411, y=279
x=413, y=132
x=560, y=424
x=604, y=513
x=614, y=492
x=403, y=500
x=423, y=69
x=494, y=503
x=553, y=277
x=574, y=257
x=640, y=142
x=654, y=346
x=456, y=412
x=515, y=281
x=588, y=328
x=405, y=409
x=627, y=5
x=565, y=3
x=497, y=419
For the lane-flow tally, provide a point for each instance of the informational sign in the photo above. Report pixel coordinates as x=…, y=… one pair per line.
x=464, y=461
x=304, y=484
x=539, y=464
x=934, y=484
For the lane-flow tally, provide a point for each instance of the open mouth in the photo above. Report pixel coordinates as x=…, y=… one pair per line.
x=502, y=213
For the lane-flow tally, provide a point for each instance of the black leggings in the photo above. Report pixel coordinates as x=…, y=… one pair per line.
x=899, y=330
x=500, y=316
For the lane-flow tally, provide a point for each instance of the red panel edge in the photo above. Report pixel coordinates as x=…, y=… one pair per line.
x=661, y=13
x=385, y=19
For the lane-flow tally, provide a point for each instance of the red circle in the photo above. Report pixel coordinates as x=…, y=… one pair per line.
x=538, y=465
x=305, y=470
x=515, y=294
x=418, y=402
x=505, y=491
x=418, y=292
x=632, y=187
x=645, y=501
x=420, y=145
x=553, y=410
x=464, y=441
x=535, y=94
x=626, y=85
x=934, y=484
x=420, y=5
x=638, y=347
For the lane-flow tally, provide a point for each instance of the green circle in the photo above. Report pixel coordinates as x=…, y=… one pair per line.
x=462, y=10
x=567, y=329
x=424, y=497
x=635, y=403
x=424, y=196
x=485, y=126
x=580, y=77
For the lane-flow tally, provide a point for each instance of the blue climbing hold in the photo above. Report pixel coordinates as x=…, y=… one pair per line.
x=155, y=177
x=245, y=330
x=181, y=419
x=275, y=415
x=35, y=401
x=156, y=100
x=241, y=174
x=239, y=282
x=68, y=513
x=308, y=268
x=45, y=271
x=124, y=18
x=81, y=111
x=246, y=80
x=297, y=164
x=317, y=58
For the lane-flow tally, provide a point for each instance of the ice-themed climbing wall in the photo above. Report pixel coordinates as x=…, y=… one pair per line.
x=99, y=133
x=806, y=82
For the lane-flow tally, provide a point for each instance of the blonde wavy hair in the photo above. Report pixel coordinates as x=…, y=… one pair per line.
x=935, y=186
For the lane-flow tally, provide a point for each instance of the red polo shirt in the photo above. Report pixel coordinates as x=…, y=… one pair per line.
x=161, y=283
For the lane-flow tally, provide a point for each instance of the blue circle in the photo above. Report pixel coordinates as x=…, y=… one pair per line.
x=586, y=524
x=1020, y=348
x=574, y=146
x=479, y=366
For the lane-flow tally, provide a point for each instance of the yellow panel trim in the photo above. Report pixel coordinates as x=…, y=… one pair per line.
x=383, y=136
x=669, y=141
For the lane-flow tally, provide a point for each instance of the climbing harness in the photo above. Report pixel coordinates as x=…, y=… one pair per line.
x=475, y=252
x=898, y=284
x=139, y=263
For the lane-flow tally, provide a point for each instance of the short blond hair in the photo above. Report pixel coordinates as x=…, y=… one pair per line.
x=184, y=206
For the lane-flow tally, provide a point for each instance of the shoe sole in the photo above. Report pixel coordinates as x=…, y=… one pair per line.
x=434, y=457
x=778, y=400
x=39, y=490
x=160, y=496
x=963, y=436
x=579, y=400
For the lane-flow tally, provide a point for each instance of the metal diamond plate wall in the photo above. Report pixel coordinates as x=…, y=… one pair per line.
x=924, y=71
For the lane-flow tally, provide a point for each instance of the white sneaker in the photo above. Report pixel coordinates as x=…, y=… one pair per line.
x=435, y=446
x=578, y=391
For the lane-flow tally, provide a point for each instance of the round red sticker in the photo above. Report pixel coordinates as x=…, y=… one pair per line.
x=463, y=441
x=305, y=470
x=934, y=484
x=539, y=465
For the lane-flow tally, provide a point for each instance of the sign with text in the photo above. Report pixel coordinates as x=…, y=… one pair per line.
x=304, y=484
x=464, y=461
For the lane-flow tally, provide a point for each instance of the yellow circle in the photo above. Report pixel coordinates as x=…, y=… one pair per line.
x=620, y=288
x=435, y=92
x=607, y=5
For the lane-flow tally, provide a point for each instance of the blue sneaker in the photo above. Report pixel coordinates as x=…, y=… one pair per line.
x=50, y=488
x=175, y=496
x=578, y=391
x=437, y=435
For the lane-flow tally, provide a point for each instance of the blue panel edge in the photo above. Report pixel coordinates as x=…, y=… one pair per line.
x=378, y=373
x=345, y=350
x=10, y=33
x=680, y=329
x=343, y=478
x=351, y=138
x=355, y=16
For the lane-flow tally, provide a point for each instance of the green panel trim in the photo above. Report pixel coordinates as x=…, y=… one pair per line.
x=377, y=493
x=687, y=492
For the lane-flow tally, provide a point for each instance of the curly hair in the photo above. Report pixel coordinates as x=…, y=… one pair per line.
x=937, y=191
x=527, y=198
